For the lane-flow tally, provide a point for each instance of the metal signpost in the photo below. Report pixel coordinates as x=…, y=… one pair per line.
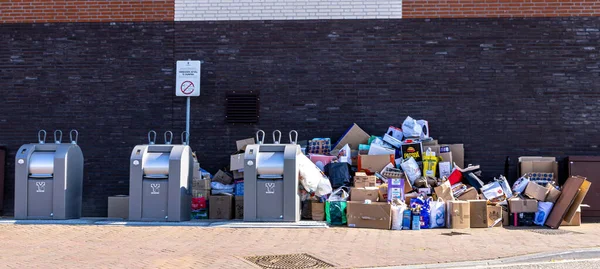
x=188, y=84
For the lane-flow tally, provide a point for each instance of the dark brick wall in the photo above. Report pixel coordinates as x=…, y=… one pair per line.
x=504, y=87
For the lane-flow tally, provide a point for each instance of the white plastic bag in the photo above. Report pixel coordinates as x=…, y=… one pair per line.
x=310, y=175
x=542, y=213
x=397, y=215
x=411, y=170
x=438, y=213
x=324, y=187
x=338, y=195
x=410, y=128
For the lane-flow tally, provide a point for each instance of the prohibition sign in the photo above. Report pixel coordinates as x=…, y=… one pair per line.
x=187, y=87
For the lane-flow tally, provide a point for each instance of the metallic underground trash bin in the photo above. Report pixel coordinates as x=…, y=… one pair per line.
x=271, y=181
x=49, y=179
x=160, y=181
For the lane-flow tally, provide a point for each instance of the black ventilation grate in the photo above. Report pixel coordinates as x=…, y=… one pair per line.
x=242, y=106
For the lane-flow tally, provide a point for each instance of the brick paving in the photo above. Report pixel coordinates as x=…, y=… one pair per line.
x=96, y=246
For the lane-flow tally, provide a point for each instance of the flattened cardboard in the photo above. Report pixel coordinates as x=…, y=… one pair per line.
x=220, y=207
x=518, y=205
x=362, y=194
x=374, y=215
x=239, y=207
x=459, y=214
x=374, y=163
x=361, y=180
x=494, y=214
x=478, y=209
x=236, y=162
x=237, y=174
x=535, y=191
x=458, y=154
x=353, y=137
x=505, y=217
x=583, y=190
x=469, y=194
x=241, y=144
x=569, y=192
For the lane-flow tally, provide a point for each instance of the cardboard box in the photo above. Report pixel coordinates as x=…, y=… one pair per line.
x=494, y=215
x=220, y=207
x=505, y=217
x=535, y=191
x=429, y=143
x=118, y=206
x=569, y=192
x=374, y=163
x=583, y=190
x=374, y=215
x=361, y=180
x=518, y=205
x=444, y=191
x=458, y=154
x=470, y=194
x=196, y=171
x=459, y=215
x=575, y=221
x=478, y=211
x=407, y=186
x=223, y=178
x=353, y=137
x=236, y=162
x=237, y=174
x=395, y=189
x=445, y=153
x=239, y=207
x=200, y=193
x=531, y=164
x=241, y=144
x=395, y=132
x=553, y=194
x=383, y=192
x=201, y=184
x=362, y=194
x=318, y=211
x=414, y=150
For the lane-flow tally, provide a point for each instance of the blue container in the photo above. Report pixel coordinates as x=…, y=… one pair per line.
x=239, y=188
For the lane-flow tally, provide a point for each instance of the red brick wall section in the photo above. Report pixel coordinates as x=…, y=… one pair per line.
x=499, y=8
x=40, y=11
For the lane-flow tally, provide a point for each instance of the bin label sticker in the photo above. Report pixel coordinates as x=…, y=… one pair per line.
x=41, y=186
x=270, y=188
x=155, y=188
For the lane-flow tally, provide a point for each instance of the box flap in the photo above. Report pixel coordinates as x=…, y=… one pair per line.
x=374, y=163
x=353, y=137
x=241, y=144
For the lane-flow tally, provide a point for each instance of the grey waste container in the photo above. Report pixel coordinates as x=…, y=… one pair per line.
x=160, y=181
x=271, y=181
x=49, y=179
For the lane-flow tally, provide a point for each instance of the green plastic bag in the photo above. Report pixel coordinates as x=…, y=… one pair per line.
x=335, y=212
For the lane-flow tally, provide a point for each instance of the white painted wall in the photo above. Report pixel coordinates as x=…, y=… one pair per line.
x=219, y=10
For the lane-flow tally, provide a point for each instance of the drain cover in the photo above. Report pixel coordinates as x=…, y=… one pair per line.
x=291, y=261
x=551, y=231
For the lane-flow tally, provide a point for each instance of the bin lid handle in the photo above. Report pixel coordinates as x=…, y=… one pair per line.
x=295, y=140
x=185, y=138
x=74, y=141
x=258, y=139
x=168, y=141
x=150, y=140
x=58, y=139
x=276, y=140
x=40, y=139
